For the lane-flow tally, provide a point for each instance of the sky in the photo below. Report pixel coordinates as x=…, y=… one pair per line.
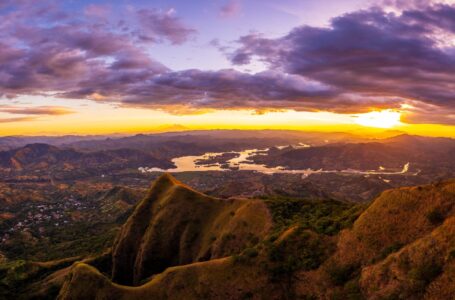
x=130, y=66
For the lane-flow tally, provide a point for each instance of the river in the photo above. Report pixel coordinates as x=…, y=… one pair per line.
x=242, y=162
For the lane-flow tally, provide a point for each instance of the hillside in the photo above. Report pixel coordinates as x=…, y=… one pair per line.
x=45, y=159
x=425, y=155
x=181, y=244
x=401, y=247
x=175, y=225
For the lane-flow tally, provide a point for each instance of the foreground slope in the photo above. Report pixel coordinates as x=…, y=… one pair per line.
x=175, y=225
x=401, y=247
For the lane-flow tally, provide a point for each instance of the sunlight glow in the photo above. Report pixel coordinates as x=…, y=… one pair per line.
x=379, y=119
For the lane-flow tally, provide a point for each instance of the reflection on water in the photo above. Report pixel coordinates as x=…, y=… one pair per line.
x=244, y=163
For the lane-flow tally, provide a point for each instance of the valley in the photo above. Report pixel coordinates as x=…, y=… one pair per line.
x=303, y=247
x=227, y=150
x=69, y=203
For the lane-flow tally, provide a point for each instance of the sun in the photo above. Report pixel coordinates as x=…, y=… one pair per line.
x=380, y=119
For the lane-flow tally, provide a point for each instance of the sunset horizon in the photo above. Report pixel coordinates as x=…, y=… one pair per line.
x=134, y=67
x=227, y=149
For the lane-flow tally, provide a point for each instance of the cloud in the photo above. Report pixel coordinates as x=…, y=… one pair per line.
x=227, y=89
x=401, y=5
x=156, y=26
x=14, y=120
x=39, y=110
x=370, y=53
x=231, y=9
x=364, y=60
x=59, y=54
x=97, y=11
x=421, y=113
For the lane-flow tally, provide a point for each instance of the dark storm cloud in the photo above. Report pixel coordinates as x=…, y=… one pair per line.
x=363, y=60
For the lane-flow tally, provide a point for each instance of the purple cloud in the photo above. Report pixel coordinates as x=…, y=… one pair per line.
x=40, y=110
x=369, y=53
x=231, y=9
x=156, y=26
x=14, y=120
x=363, y=60
x=68, y=55
x=97, y=11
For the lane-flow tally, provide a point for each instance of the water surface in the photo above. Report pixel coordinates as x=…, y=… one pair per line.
x=244, y=163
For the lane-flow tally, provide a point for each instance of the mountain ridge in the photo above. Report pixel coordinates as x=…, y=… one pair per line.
x=359, y=262
x=173, y=218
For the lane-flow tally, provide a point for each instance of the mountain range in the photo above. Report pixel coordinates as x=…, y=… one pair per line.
x=425, y=154
x=44, y=158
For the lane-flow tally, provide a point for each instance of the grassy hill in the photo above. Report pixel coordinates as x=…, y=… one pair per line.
x=175, y=225
x=181, y=244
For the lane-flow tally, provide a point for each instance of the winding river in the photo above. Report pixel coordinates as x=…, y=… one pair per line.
x=242, y=162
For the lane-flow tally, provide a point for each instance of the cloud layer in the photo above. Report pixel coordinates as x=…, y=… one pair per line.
x=37, y=110
x=364, y=60
x=407, y=57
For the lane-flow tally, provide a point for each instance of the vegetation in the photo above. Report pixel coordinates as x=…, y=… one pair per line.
x=324, y=216
x=390, y=249
x=17, y=277
x=80, y=239
x=424, y=273
x=435, y=217
x=340, y=274
x=283, y=248
x=301, y=250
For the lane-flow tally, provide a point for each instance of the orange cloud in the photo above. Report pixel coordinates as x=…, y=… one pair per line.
x=39, y=110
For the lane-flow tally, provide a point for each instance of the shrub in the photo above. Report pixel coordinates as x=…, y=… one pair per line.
x=324, y=216
x=352, y=290
x=340, y=274
x=390, y=249
x=300, y=251
x=250, y=252
x=425, y=272
x=451, y=254
x=435, y=217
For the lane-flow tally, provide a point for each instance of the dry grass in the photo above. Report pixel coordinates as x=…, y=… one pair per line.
x=175, y=225
x=401, y=247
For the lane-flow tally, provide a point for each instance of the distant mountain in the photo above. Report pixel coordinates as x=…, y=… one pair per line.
x=173, y=144
x=44, y=158
x=13, y=142
x=421, y=142
x=171, y=128
x=424, y=153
